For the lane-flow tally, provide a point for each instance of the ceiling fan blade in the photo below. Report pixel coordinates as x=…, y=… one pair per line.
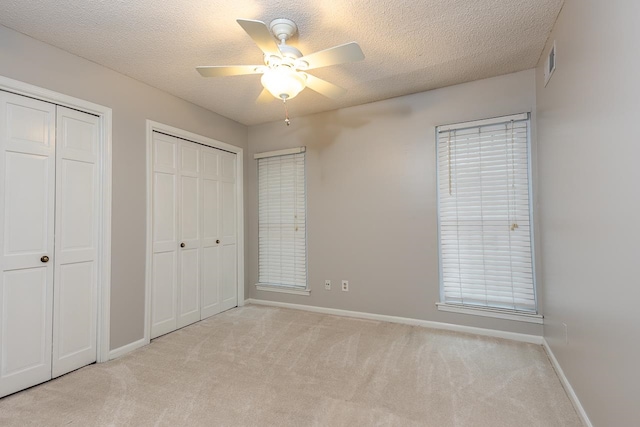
x=261, y=35
x=264, y=97
x=229, y=70
x=325, y=88
x=349, y=52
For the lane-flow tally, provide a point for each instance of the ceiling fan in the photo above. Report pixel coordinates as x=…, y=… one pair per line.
x=284, y=73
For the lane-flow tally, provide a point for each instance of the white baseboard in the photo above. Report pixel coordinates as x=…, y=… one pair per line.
x=533, y=339
x=121, y=351
x=567, y=386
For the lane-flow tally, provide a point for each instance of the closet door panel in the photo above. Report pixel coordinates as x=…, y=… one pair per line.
x=165, y=156
x=27, y=186
x=211, y=211
x=163, y=295
x=165, y=233
x=211, y=196
x=75, y=305
x=28, y=199
x=189, y=208
x=189, y=226
x=228, y=162
x=28, y=125
x=229, y=213
x=229, y=249
x=211, y=235
x=164, y=281
x=189, y=255
x=165, y=193
x=77, y=206
x=211, y=281
x=189, y=158
x=26, y=337
x=189, y=287
x=211, y=163
x=229, y=277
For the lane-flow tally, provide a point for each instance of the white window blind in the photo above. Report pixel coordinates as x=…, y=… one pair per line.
x=282, y=247
x=485, y=216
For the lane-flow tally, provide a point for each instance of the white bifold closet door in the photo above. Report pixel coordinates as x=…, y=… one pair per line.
x=194, y=257
x=48, y=287
x=75, y=293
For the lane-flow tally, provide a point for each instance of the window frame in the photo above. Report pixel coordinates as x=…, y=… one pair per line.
x=500, y=313
x=275, y=287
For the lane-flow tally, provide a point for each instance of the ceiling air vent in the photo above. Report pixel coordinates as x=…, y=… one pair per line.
x=550, y=65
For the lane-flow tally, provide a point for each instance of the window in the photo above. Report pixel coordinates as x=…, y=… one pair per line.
x=282, y=247
x=484, y=216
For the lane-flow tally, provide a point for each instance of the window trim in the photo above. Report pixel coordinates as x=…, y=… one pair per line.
x=484, y=122
x=276, y=153
x=282, y=288
x=533, y=317
x=491, y=312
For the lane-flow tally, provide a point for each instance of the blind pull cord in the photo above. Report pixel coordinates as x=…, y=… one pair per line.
x=514, y=225
x=449, y=160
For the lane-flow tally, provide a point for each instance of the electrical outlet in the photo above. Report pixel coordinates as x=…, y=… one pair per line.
x=566, y=333
x=327, y=285
x=345, y=285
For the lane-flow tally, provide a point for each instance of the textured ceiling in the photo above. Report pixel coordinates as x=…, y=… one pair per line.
x=410, y=45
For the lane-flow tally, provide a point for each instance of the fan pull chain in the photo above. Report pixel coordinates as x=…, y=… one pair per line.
x=286, y=111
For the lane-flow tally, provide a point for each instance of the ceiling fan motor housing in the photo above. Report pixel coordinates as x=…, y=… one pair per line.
x=283, y=28
x=289, y=51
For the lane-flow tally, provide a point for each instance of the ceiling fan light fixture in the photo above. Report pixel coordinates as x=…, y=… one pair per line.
x=283, y=82
x=284, y=73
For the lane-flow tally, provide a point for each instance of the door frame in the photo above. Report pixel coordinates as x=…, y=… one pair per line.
x=189, y=136
x=104, y=185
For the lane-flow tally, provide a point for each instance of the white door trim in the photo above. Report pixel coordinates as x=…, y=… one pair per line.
x=104, y=255
x=183, y=134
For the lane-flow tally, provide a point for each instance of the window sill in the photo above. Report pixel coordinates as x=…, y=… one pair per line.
x=488, y=312
x=283, y=289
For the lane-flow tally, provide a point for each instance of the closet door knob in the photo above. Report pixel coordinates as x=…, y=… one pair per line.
x=182, y=245
x=218, y=241
x=44, y=259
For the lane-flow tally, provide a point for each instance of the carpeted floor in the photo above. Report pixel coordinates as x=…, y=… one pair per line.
x=263, y=366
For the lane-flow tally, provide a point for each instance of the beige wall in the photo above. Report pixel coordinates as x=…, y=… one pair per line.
x=25, y=59
x=371, y=186
x=589, y=188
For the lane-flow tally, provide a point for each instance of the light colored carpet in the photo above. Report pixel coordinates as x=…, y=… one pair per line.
x=263, y=366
